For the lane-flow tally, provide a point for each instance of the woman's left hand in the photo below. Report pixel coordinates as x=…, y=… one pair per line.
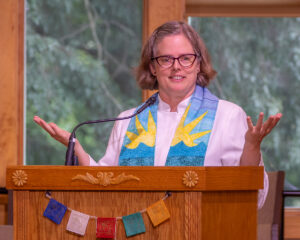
x=256, y=134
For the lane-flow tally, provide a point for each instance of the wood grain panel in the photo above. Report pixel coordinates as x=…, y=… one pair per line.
x=3, y=199
x=3, y=214
x=11, y=83
x=100, y=204
x=185, y=222
x=21, y=217
x=194, y=215
x=292, y=223
x=220, y=211
x=3, y=209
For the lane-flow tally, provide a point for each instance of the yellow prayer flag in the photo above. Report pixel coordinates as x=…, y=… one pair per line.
x=158, y=213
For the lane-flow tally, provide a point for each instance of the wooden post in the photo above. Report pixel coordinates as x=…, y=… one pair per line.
x=157, y=12
x=11, y=84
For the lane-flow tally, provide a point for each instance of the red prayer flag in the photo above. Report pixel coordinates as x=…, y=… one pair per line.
x=106, y=227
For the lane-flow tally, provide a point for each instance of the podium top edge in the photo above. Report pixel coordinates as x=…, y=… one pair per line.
x=33, y=167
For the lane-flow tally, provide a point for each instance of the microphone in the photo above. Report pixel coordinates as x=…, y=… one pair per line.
x=71, y=159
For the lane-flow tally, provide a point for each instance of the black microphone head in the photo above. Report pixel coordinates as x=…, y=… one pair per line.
x=148, y=103
x=151, y=100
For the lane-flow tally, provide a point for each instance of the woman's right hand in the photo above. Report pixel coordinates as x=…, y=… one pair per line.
x=56, y=132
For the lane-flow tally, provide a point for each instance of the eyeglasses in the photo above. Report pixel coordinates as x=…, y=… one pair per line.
x=185, y=60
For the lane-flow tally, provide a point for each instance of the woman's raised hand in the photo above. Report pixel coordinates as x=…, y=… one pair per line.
x=251, y=155
x=256, y=134
x=63, y=137
x=57, y=133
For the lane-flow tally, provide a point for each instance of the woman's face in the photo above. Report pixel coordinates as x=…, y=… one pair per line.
x=176, y=81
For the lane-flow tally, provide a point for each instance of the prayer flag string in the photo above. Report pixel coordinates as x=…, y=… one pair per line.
x=107, y=227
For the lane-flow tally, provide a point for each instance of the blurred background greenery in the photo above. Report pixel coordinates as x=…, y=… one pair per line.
x=80, y=60
x=258, y=65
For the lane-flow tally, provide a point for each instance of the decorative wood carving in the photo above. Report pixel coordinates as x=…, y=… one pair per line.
x=19, y=178
x=105, y=178
x=190, y=179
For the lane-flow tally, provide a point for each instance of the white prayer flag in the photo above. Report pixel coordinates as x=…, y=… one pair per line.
x=78, y=222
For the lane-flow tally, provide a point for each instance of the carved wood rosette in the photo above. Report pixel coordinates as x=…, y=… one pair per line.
x=19, y=178
x=190, y=179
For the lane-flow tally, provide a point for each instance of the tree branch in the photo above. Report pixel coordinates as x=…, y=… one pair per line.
x=99, y=52
x=81, y=29
x=93, y=28
x=123, y=28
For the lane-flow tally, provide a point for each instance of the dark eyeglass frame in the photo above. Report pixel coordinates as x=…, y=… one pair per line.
x=178, y=59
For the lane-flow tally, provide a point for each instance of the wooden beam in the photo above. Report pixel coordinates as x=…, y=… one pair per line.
x=243, y=2
x=242, y=10
x=157, y=12
x=133, y=178
x=11, y=84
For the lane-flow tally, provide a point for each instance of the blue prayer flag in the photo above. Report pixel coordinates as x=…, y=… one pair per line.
x=55, y=211
x=134, y=224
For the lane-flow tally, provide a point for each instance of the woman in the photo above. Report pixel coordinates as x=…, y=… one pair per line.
x=187, y=125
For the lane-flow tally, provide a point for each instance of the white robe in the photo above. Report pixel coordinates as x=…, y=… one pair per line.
x=225, y=145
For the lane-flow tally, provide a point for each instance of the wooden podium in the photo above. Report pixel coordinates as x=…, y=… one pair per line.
x=207, y=203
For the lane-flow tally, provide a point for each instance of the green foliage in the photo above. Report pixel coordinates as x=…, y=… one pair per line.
x=257, y=60
x=74, y=76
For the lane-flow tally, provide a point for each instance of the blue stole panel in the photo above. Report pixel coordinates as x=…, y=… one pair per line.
x=190, y=140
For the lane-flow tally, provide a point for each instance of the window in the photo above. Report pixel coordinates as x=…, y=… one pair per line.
x=258, y=65
x=80, y=56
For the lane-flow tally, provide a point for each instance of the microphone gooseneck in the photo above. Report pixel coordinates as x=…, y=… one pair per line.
x=71, y=158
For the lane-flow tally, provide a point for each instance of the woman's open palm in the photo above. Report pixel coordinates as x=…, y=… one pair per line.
x=256, y=134
x=54, y=131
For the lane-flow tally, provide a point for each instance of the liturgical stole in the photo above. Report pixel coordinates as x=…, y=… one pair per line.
x=189, y=142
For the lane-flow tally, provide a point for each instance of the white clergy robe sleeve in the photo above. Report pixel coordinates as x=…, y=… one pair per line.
x=227, y=141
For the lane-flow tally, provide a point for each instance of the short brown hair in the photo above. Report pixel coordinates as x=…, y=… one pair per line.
x=144, y=76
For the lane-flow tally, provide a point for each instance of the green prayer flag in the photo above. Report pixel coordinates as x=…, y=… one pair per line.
x=134, y=224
